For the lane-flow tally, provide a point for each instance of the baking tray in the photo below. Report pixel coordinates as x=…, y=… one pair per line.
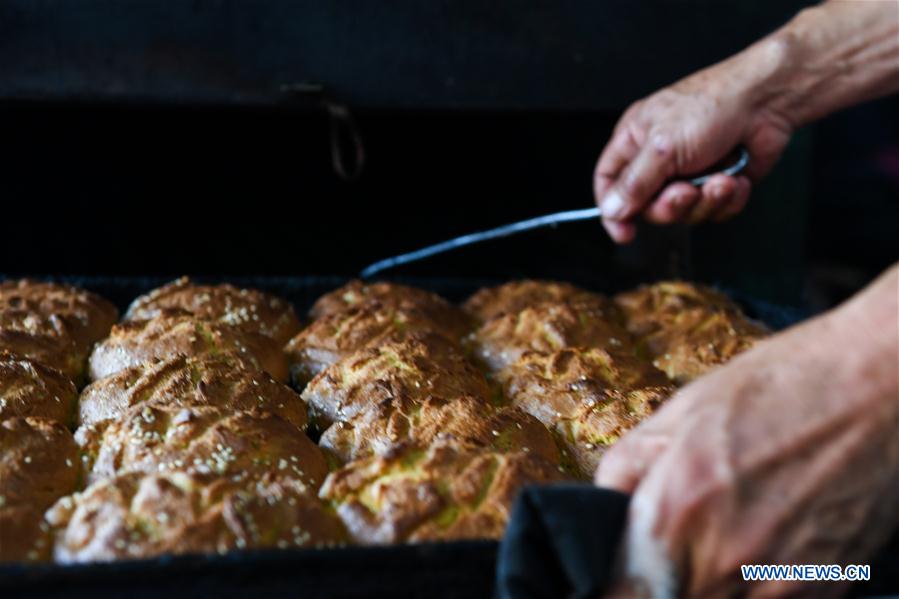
x=454, y=569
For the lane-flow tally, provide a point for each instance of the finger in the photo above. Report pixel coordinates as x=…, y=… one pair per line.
x=620, y=232
x=627, y=462
x=673, y=203
x=738, y=203
x=601, y=185
x=639, y=181
x=716, y=192
x=765, y=146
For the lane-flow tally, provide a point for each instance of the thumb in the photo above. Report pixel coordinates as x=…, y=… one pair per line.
x=639, y=181
x=625, y=465
x=627, y=462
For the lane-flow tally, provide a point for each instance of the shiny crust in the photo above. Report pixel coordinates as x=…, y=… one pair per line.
x=135, y=516
x=57, y=353
x=413, y=369
x=174, y=332
x=38, y=462
x=223, y=381
x=336, y=336
x=686, y=330
x=28, y=388
x=513, y=297
x=587, y=397
x=391, y=295
x=248, y=309
x=469, y=420
x=445, y=491
x=91, y=315
x=210, y=442
x=58, y=329
x=546, y=328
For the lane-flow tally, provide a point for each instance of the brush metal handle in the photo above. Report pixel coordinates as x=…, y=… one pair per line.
x=547, y=220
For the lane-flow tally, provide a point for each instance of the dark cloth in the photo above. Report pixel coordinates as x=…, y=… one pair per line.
x=560, y=542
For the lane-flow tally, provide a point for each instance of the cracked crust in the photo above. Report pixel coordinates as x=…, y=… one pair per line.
x=686, y=330
x=28, y=388
x=545, y=328
x=336, y=336
x=174, y=332
x=224, y=381
x=413, y=369
x=588, y=397
x=446, y=491
x=513, y=297
x=89, y=315
x=357, y=293
x=135, y=516
x=468, y=420
x=248, y=309
x=59, y=353
x=208, y=441
x=651, y=307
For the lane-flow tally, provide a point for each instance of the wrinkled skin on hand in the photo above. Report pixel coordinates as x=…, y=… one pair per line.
x=682, y=130
x=826, y=58
x=789, y=454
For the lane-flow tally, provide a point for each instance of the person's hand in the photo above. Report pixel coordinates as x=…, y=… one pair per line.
x=682, y=130
x=787, y=455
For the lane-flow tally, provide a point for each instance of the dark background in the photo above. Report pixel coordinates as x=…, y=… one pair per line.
x=148, y=138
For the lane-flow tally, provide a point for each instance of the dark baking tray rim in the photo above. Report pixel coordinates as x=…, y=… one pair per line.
x=463, y=568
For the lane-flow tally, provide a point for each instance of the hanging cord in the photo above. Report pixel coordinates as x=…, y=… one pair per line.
x=347, y=149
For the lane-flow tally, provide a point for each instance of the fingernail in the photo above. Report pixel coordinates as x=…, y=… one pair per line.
x=613, y=205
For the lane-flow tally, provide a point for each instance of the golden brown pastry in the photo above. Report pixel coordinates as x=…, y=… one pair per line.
x=699, y=341
x=392, y=295
x=28, y=388
x=650, y=307
x=336, y=336
x=204, y=441
x=38, y=465
x=447, y=490
x=57, y=353
x=413, y=368
x=136, y=516
x=467, y=419
x=91, y=316
x=587, y=397
x=249, y=309
x=686, y=330
x=513, y=297
x=175, y=332
x=546, y=328
x=58, y=329
x=223, y=380
x=38, y=462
